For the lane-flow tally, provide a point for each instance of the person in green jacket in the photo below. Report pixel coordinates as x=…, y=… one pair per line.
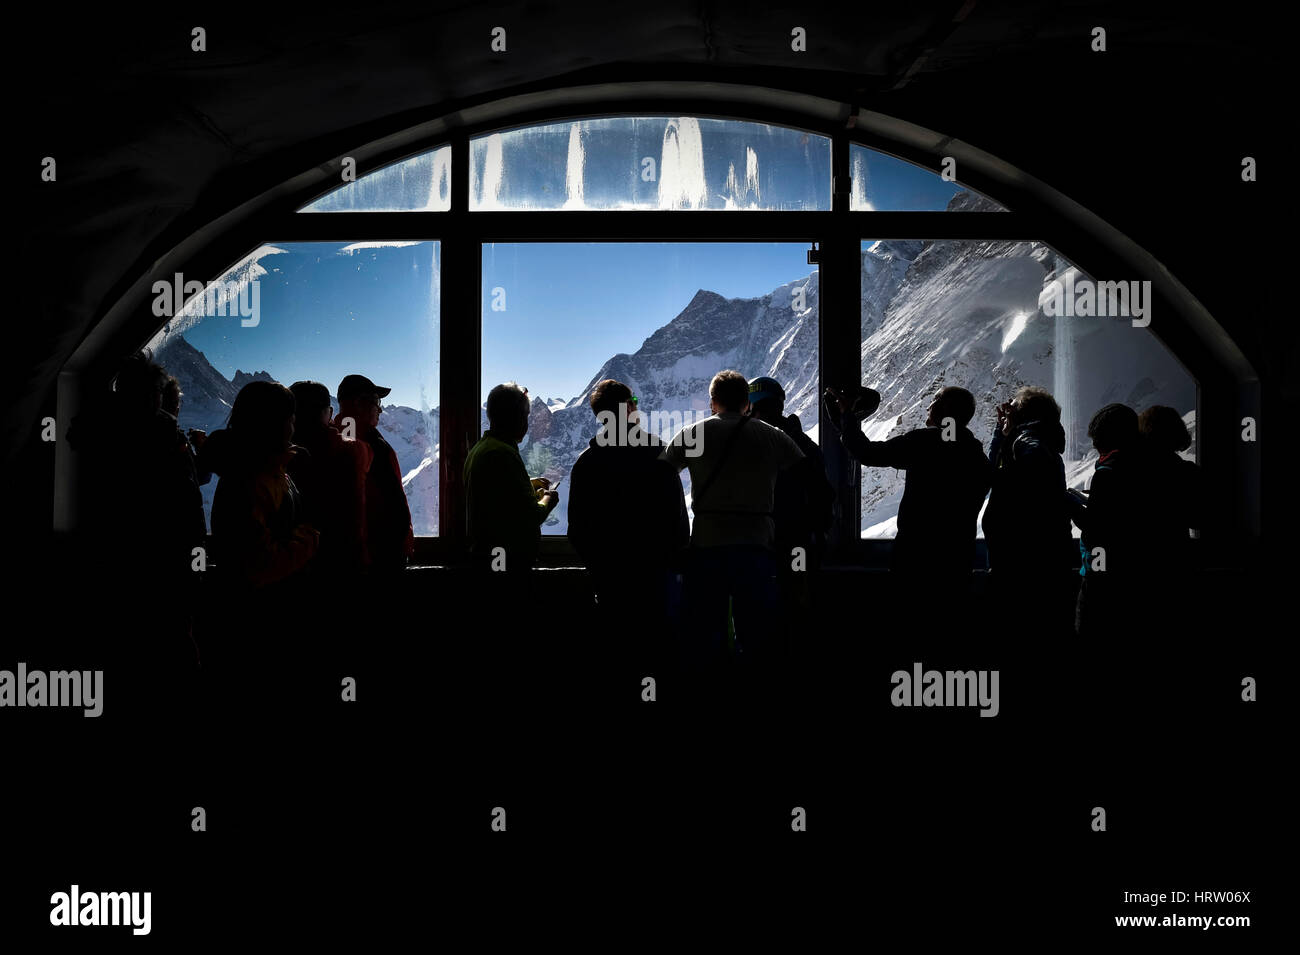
x=505, y=508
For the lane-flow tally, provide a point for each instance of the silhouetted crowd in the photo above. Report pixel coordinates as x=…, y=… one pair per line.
x=738, y=586
x=309, y=503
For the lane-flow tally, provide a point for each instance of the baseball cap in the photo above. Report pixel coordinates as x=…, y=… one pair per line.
x=358, y=386
x=764, y=387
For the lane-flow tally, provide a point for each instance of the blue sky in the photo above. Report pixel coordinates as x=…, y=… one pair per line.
x=891, y=184
x=326, y=313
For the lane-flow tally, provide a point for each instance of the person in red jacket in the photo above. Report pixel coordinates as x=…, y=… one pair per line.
x=389, y=538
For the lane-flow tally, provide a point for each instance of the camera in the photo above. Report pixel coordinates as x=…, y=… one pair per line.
x=863, y=402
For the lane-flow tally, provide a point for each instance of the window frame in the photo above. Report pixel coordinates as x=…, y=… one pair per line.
x=463, y=233
x=1033, y=212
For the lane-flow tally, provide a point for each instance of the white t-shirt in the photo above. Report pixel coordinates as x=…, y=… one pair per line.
x=736, y=509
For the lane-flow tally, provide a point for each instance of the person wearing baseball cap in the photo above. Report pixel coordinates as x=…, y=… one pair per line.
x=389, y=538
x=764, y=388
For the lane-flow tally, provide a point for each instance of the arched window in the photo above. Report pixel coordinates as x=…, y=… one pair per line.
x=659, y=249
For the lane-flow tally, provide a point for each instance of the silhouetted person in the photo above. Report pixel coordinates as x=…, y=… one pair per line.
x=1026, y=523
x=193, y=439
x=1116, y=537
x=330, y=474
x=258, y=533
x=389, y=537
x=504, y=507
x=1179, y=506
x=803, y=511
x=261, y=551
x=734, y=461
x=628, y=522
x=1027, y=519
x=513, y=652
x=804, y=502
x=143, y=511
x=948, y=476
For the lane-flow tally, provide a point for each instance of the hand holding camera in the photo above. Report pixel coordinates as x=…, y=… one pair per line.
x=857, y=400
x=838, y=398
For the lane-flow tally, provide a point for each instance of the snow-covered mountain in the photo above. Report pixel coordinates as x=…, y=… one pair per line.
x=934, y=313
x=968, y=313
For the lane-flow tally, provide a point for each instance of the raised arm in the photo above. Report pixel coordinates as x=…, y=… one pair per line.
x=898, y=452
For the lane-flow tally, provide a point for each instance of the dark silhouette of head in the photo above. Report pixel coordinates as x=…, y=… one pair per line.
x=263, y=420
x=311, y=408
x=608, y=395
x=611, y=399
x=728, y=392
x=138, y=386
x=767, y=400
x=951, y=402
x=1113, y=428
x=1164, y=430
x=507, y=411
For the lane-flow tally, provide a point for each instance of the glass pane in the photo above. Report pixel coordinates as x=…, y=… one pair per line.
x=318, y=311
x=650, y=163
x=419, y=184
x=663, y=318
x=884, y=183
x=980, y=315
